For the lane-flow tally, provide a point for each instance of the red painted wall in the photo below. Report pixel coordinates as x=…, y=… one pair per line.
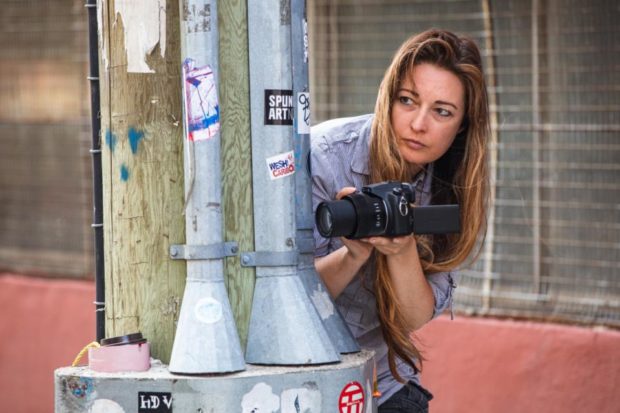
x=473, y=364
x=488, y=366
x=43, y=325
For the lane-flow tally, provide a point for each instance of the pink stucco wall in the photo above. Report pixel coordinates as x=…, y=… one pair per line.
x=473, y=364
x=487, y=366
x=43, y=325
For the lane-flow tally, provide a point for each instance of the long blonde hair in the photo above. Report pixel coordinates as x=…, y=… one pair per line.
x=459, y=176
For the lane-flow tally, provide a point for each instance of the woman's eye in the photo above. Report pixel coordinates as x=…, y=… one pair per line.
x=444, y=112
x=405, y=100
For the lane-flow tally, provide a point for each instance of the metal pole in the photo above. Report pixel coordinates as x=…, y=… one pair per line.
x=536, y=134
x=206, y=339
x=285, y=328
x=335, y=325
x=95, y=151
x=489, y=242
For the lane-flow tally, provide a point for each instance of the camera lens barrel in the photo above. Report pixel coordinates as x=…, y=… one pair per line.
x=355, y=216
x=336, y=218
x=371, y=215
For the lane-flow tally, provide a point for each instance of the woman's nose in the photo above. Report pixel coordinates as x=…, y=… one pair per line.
x=418, y=121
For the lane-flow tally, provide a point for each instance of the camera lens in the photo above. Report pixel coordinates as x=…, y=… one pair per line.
x=336, y=218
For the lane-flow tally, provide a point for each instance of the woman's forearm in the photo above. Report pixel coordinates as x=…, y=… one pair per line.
x=413, y=292
x=338, y=269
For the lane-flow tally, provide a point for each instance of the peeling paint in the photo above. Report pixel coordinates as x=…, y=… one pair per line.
x=144, y=23
x=368, y=396
x=322, y=302
x=260, y=399
x=301, y=400
x=102, y=43
x=208, y=310
x=106, y=406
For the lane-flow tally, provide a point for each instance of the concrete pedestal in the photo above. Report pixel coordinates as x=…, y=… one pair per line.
x=344, y=387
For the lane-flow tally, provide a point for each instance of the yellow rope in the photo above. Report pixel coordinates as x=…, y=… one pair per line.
x=84, y=350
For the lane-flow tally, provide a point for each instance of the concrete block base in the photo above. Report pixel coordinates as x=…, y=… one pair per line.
x=344, y=387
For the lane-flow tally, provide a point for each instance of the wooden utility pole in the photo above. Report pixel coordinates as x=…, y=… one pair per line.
x=143, y=219
x=236, y=155
x=142, y=160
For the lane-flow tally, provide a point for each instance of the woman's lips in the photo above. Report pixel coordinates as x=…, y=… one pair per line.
x=413, y=144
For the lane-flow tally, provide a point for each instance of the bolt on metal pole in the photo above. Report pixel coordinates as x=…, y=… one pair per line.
x=285, y=328
x=206, y=339
x=335, y=325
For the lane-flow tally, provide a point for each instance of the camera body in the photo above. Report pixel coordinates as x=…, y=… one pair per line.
x=384, y=209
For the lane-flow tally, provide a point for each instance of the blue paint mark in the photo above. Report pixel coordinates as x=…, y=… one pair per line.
x=124, y=173
x=134, y=138
x=110, y=140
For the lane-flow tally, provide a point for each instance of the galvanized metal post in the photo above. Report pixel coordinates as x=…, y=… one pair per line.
x=285, y=328
x=336, y=327
x=206, y=339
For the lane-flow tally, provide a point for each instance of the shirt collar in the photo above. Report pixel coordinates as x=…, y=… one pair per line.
x=361, y=153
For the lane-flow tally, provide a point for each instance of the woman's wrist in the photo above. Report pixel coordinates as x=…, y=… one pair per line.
x=357, y=252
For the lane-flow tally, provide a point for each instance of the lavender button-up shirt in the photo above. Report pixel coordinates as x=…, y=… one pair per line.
x=339, y=158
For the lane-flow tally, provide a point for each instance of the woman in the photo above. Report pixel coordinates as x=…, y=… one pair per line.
x=429, y=127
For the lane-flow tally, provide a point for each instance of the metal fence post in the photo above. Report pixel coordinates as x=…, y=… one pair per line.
x=285, y=328
x=206, y=339
x=336, y=327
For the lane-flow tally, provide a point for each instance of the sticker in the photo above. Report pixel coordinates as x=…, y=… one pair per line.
x=303, y=113
x=208, y=310
x=260, y=399
x=278, y=107
x=281, y=165
x=152, y=402
x=306, y=42
x=106, y=406
x=351, y=398
x=80, y=387
x=202, y=111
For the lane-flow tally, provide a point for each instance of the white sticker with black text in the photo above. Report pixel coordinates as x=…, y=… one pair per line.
x=303, y=113
x=281, y=165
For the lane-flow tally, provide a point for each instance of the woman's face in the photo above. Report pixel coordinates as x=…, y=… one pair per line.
x=427, y=113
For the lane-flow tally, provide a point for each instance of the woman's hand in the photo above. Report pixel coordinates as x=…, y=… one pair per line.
x=391, y=246
x=358, y=250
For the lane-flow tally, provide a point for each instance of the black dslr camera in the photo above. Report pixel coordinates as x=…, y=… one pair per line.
x=385, y=209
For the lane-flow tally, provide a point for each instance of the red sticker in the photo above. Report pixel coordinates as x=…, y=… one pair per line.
x=351, y=398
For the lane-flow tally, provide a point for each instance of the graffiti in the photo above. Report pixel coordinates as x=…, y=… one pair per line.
x=135, y=137
x=303, y=113
x=124, y=173
x=110, y=140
